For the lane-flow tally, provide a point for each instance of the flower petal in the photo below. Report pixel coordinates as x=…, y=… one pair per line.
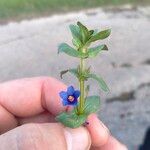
x=63, y=95
x=70, y=90
x=76, y=93
x=65, y=102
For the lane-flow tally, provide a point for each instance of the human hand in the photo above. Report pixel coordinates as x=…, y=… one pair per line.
x=29, y=106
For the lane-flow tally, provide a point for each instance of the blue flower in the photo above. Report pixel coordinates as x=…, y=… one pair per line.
x=70, y=97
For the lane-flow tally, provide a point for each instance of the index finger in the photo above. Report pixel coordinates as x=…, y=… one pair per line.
x=31, y=96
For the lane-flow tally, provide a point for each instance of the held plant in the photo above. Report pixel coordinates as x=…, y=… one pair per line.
x=83, y=105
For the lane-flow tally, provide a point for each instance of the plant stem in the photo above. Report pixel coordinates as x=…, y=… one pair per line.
x=82, y=88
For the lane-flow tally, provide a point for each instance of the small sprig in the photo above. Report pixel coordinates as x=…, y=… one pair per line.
x=83, y=105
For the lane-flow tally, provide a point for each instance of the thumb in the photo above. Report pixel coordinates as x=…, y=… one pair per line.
x=77, y=139
x=45, y=136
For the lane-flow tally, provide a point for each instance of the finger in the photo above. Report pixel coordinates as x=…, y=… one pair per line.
x=44, y=117
x=100, y=136
x=28, y=97
x=45, y=136
x=98, y=131
x=7, y=120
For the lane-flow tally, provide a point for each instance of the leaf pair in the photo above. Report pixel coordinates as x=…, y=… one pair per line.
x=73, y=120
x=91, y=52
x=80, y=34
x=99, y=79
x=82, y=37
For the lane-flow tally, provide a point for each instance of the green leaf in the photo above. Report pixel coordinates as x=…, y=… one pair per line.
x=76, y=43
x=70, y=51
x=77, y=39
x=75, y=30
x=101, y=82
x=71, y=119
x=84, y=32
x=92, y=104
x=100, y=35
x=92, y=52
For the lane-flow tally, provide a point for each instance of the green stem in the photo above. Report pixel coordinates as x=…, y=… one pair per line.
x=82, y=88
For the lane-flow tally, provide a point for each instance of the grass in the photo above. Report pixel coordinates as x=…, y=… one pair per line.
x=13, y=9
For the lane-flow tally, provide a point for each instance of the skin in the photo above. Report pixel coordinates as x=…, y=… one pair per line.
x=27, y=111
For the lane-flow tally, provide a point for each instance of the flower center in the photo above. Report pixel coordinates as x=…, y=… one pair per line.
x=71, y=98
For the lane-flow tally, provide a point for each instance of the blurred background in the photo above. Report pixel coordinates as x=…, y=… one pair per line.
x=30, y=31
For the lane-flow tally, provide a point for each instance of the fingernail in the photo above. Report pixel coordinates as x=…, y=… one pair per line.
x=77, y=139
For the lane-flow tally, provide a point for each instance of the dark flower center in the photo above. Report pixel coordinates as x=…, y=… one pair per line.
x=70, y=98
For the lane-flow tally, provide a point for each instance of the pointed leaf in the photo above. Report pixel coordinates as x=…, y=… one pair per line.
x=100, y=36
x=92, y=52
x=84, y=32
x=92, y=104
x=101, y=82
x=77, y=39
x=70, y=51
x=76, y=42
x=71, y=119
x=75, y=30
